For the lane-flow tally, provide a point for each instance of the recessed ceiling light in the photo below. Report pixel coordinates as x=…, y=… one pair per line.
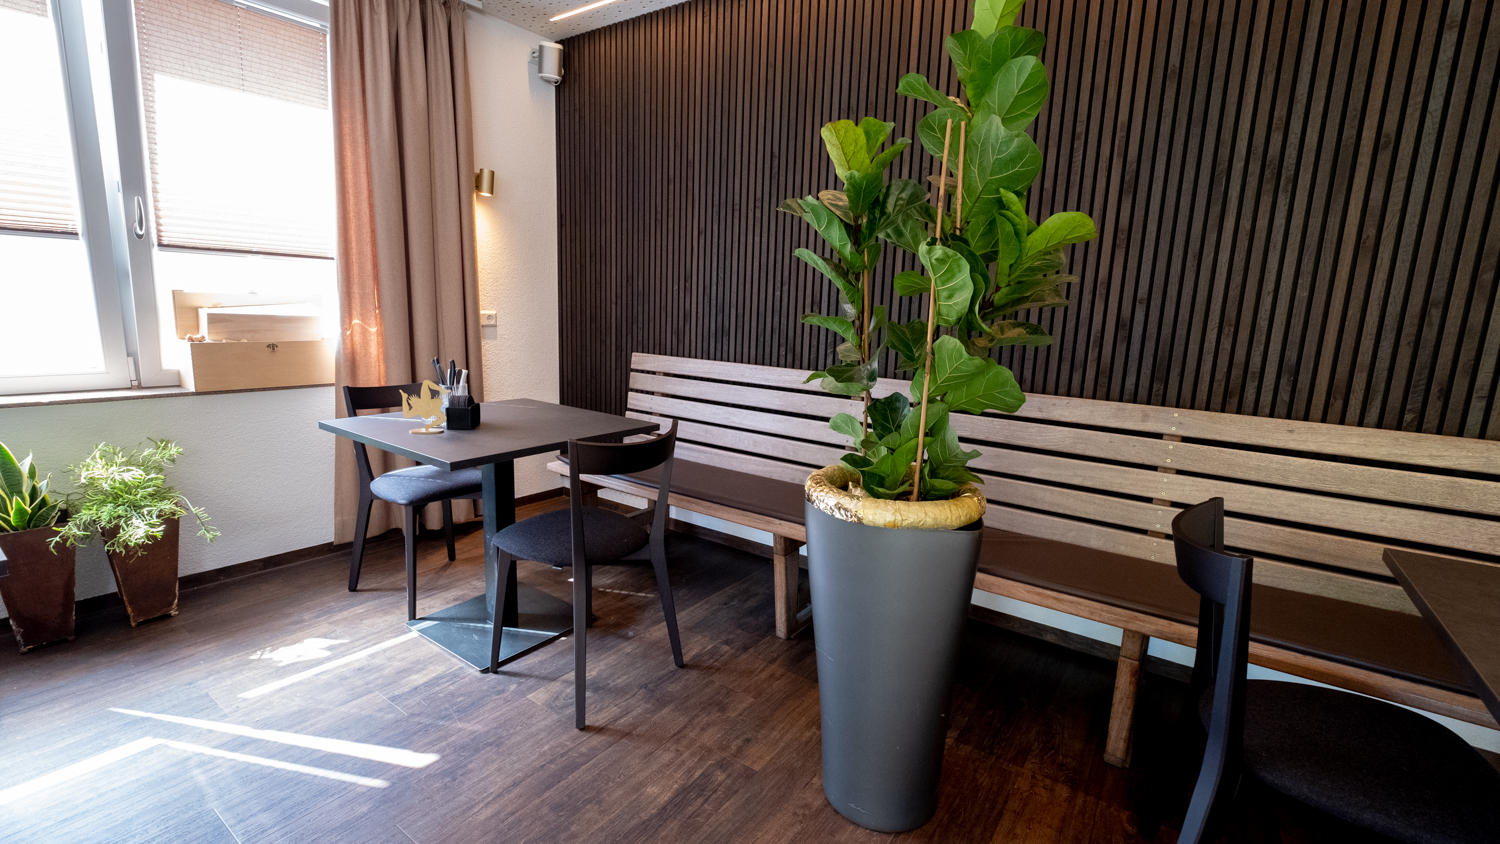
x=581, y=9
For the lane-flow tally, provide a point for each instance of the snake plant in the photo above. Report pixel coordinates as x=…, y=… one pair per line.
x=25, y=503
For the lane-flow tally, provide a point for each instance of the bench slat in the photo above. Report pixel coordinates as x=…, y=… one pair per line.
x=1439, y=491
x=1378, y=520
x=744, y=463
x=809, y=404
x=1268, y=571
x=813, y=456
x=734, y=417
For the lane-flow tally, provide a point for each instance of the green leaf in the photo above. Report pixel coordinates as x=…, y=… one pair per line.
x=915, y=85
x=836, y=275
x=20, y=514
x=1060, y=230
x=951, y=365
x=875, y=132
x=909, y=340
x=792, y=206
x=1015, y=333
x=911, y=283
x=906, y=215
x=937, y=416
x=997, y=158
x=832, y=230
x=930, y=131
x=950, y=277
x=884, y=159
x=1017, y=92
x=849, y=379
x=990, y=15
x=843, y=327
x=837, y=202
x=970, y=52
x=45, y=517
x=1014, y=296
x=992, y=387
x=847, y=425
x=863, y=191
x=1012, y=42
x=1048, y=298
x=886, y=414
x=944, y=451
x=12, y=478
x=847, y=147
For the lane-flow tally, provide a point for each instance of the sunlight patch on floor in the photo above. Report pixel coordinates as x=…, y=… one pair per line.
x=327, y=666
x=304, y=651
x=373, y=752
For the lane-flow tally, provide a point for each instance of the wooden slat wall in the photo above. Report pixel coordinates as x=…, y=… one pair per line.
x=1296, y=200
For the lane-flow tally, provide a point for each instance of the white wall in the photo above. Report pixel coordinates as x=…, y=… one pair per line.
x=515, y=135
x=255, y=461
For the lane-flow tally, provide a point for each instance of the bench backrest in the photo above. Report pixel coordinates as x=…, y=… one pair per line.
x=1314, y=503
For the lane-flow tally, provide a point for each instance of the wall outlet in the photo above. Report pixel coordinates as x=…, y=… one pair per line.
x=487, y=318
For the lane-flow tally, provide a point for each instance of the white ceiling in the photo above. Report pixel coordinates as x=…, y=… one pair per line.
x=534, y=14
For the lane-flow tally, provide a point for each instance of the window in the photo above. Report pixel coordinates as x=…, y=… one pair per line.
x=190, y=149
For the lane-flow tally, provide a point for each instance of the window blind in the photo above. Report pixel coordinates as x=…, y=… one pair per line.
x=238, y=128
x=38, y=189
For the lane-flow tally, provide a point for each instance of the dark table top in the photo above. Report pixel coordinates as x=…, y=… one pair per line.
x=1461, y=600
x=507, y=430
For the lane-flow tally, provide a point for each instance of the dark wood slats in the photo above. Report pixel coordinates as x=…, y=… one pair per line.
x=1296, y=200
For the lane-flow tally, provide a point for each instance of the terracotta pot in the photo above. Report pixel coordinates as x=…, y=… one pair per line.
x=38, y=590
x=147, y=577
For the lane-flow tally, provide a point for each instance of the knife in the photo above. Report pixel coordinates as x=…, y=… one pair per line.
x=452, y=372
x=439, y=367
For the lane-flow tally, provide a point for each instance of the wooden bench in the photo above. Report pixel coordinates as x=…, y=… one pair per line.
x=1082, y=495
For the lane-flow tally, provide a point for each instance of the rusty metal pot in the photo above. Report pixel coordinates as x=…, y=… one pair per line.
x=38, y=588
x=147, y=576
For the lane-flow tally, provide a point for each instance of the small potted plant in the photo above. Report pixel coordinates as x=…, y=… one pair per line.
x=123, y=496
x=894, y=529
x=38, y=589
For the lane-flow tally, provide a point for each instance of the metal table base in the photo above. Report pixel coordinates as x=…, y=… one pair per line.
x=464, y=629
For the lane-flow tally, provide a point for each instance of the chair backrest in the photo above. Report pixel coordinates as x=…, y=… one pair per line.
x=603, y=458
x=1223, y=582
x=372, y=398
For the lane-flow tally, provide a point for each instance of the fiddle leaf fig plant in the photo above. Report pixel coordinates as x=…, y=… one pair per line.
x=25, y=501
x=126, y=493
x=853, y=222
x=985, y=262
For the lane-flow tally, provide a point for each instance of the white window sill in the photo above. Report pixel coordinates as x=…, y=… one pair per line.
x=91, y=396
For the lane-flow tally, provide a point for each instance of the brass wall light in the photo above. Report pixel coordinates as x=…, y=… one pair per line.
x=484, y=183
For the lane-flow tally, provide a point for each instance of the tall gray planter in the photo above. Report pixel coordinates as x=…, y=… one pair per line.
x=888, y=611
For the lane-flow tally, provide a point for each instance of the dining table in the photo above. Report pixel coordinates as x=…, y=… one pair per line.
x=1460, y=599
x=508, y=430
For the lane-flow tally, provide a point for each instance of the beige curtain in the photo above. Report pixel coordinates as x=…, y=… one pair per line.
x=408, y=289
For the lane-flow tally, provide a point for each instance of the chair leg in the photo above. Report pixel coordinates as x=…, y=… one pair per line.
x=448, y=528
x=409, y=525
x=588, y=589
x=505, y=565
x=580, y=656
x=668, y=609
x=361, y=526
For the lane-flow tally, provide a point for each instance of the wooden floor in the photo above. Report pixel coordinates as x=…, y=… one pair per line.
x=429, y=750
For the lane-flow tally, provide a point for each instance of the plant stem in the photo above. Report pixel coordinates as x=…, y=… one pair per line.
x=864, y=354
x=916, y=481
x=958, y=189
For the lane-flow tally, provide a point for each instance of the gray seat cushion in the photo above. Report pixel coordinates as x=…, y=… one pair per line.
x=1372, y=763
x=425, y=484
x=548, y=538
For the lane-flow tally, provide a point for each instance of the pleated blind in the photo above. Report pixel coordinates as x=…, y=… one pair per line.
x=238, y=128
x=38, y=191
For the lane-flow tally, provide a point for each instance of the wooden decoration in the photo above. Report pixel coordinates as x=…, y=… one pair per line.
x=427, y=407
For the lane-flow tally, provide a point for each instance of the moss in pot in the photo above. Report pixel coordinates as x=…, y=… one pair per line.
x=123, y=496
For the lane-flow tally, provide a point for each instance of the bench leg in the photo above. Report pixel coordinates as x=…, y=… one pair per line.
x=591, y=494
x=790, y=617
x=1122, y=712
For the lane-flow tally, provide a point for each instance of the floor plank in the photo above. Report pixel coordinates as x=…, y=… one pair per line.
x=723, y=750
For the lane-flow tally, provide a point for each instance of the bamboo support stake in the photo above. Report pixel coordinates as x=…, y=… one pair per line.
x=916, y=481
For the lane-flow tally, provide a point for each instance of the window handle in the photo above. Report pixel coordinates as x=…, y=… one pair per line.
x=140, y=218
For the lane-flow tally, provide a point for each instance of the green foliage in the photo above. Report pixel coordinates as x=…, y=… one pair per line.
x=126, y=491
x=25, y=502
x=981, y=269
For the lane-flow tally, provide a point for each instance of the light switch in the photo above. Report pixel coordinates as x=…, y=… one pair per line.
x=487, y=318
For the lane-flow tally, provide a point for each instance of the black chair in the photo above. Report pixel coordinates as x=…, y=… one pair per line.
x=1366, y=761
x=413, y=488
x=584, y=537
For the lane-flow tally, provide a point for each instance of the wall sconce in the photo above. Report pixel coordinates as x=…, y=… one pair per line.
x=484, y=183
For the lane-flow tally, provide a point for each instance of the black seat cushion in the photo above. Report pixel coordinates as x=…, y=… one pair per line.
x=548, y=538
x=425, y=484
x=1372, y=763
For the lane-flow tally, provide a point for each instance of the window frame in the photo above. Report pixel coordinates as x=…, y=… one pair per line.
x=117, y=226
